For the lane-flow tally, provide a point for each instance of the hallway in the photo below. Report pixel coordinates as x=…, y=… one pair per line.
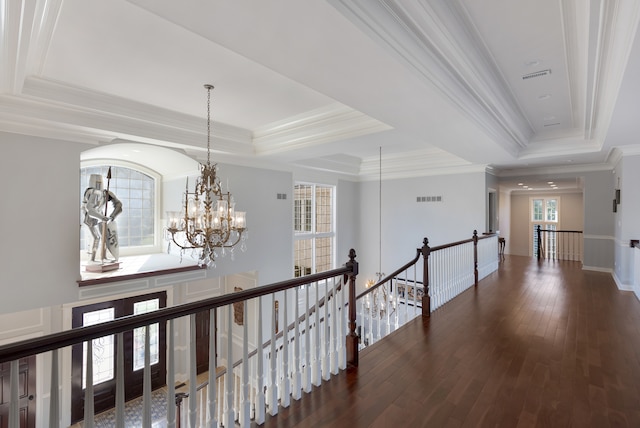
x=535, y=345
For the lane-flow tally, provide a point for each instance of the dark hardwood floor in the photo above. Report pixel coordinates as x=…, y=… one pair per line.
x=535, y=345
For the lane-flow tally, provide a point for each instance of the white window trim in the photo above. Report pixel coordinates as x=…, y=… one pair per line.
x=308, y=235
x=542, y=222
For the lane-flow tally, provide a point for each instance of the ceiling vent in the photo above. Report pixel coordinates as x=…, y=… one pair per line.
x=536, y=74
x=429, y=199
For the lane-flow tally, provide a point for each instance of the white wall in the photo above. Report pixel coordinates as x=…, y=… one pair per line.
x=39, y=222
x=406, y=222
x=627, y=227
x=504, y=214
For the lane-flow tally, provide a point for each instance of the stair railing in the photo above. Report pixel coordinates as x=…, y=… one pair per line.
x=250, y=389
x=559, y=244
x=403, y=295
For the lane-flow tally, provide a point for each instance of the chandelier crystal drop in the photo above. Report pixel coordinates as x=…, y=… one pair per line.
x=208, y=220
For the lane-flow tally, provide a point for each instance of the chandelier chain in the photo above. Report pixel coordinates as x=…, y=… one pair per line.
x=209, y=88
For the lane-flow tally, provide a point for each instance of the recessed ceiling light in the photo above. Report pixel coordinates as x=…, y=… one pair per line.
x=544, y=97
x=526, y=187
x=549, y=182
x=520, y=184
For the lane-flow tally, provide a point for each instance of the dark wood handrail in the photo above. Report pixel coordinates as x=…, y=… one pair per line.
x=561, y=231
x=17, y=350
x=392, y=275
x=464, y=241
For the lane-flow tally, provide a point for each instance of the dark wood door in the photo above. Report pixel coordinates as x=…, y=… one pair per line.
x=202, y=340
x=105, y=390
x=27, y=386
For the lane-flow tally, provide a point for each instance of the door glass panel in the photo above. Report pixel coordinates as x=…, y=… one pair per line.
x=103, y=349
x=138, y=335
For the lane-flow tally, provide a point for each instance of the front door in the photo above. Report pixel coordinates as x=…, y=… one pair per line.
x=104, y=353
x=26, y=394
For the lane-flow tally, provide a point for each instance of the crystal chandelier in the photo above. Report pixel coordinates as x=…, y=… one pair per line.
x=377, y=303
x=208, y=220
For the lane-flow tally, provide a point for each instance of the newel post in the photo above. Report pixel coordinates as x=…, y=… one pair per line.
x=539, y=252
x=426, y=298
x=352, y=336
x=475, y=258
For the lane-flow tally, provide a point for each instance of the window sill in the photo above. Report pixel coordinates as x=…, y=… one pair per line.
x=134, y=267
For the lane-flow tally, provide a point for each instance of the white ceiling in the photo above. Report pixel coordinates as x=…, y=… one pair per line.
x=438, y=84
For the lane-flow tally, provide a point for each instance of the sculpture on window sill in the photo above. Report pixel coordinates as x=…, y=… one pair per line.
x=100, y=220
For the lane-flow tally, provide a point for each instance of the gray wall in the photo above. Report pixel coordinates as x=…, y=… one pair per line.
x=627, y=227
x=39, y=222
x=406, y=222
x=598, y=221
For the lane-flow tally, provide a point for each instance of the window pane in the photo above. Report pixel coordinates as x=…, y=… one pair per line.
x=139, y=334
x=137, y=205
x=303, y=254
x=103, y=348
x=324, y=209
x=552, y=210
x=302, y=208
x=537, y=210
x=324, y=254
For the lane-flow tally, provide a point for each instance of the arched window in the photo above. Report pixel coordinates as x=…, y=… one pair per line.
x=137, y=190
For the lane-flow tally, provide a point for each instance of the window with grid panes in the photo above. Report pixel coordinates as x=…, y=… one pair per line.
x=314, y=229
x=136, y=190
x=544, y=213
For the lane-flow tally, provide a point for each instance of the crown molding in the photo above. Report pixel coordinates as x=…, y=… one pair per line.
x=327, y=124
x=554, y=170
x=617, y=153
x=419, y=163
x=101, y=117
x=613, y=29
x=438, y=42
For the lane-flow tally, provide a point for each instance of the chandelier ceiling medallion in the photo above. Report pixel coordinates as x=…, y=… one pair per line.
x=208, y=220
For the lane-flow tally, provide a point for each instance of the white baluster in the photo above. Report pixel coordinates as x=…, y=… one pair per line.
x=88, y=391
x=260, y=400
x=146, y=385
x=388, y=305
x=193, y=377
x=342, y=355
x=229, y=412
x=171, y=378
x=307, y=345
x=297, y=376
x=273, y=387
x=334, y=328
x=326, y=363
x=212, y=421
x=120, y=381
x=370, y=316
x=220, y=385
x=245, y=417
x=316, y=378
x=285, y=388
x=202, y=406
